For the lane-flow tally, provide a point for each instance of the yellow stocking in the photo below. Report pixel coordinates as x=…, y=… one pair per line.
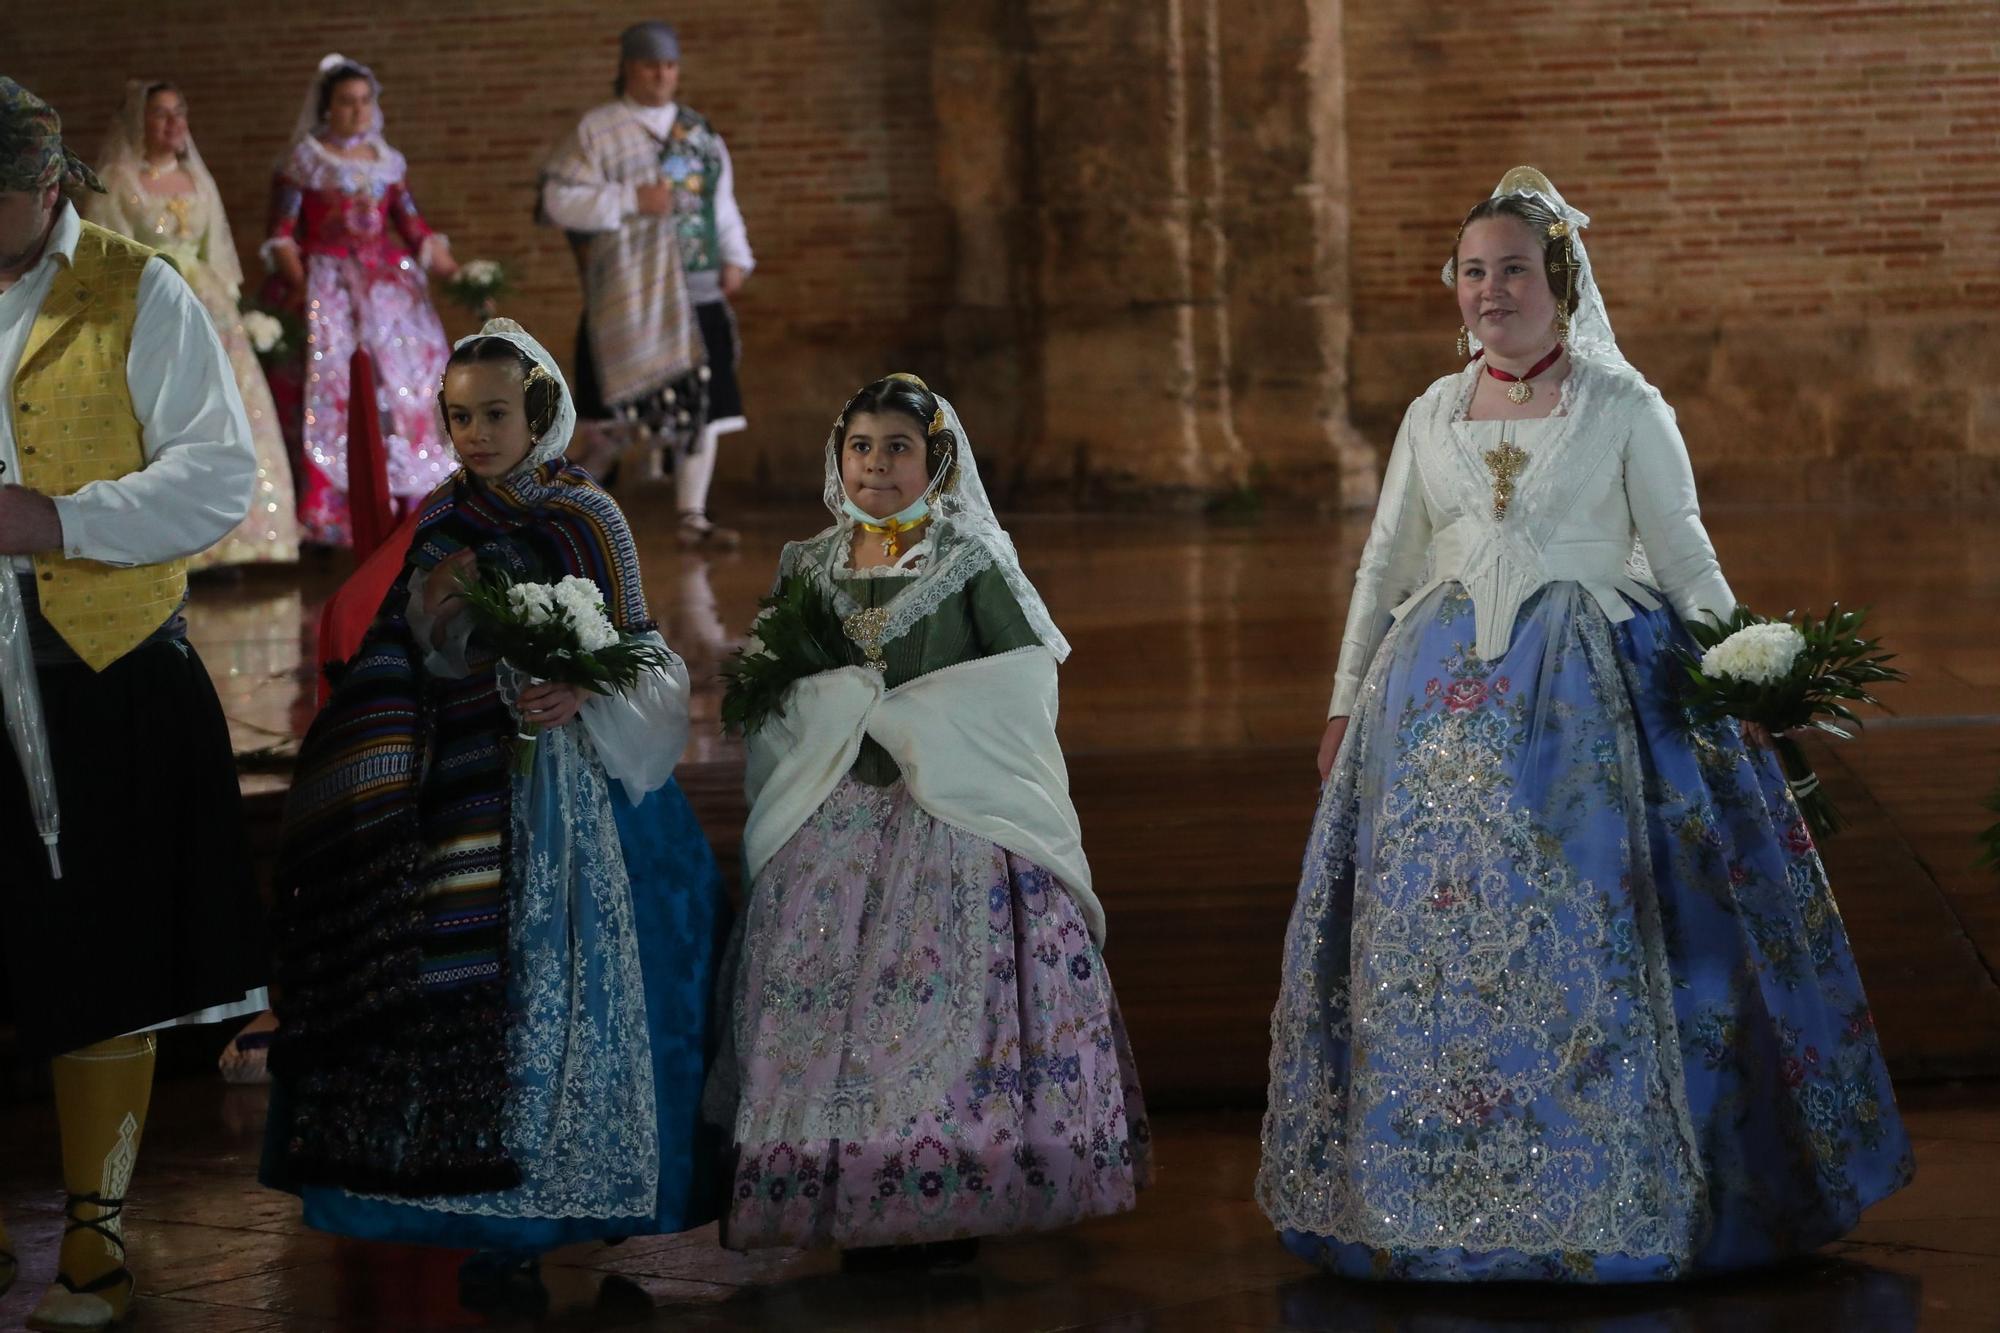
x=101, y=1096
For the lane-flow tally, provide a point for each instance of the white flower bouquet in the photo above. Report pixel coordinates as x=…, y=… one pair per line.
x=265, y=331
x=478, y=285
x=1786, y=676
x=556, y=632
x=276, y=336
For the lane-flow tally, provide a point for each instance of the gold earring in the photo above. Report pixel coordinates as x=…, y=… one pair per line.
x=1464, y=341
x=1562, y=322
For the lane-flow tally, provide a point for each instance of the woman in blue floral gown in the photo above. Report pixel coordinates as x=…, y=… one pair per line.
x=1566, y=996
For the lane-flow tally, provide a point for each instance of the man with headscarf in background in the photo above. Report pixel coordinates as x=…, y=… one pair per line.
x=129, y=904
x=646, y=192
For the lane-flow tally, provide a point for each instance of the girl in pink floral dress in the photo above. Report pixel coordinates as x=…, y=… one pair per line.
x=345, y=231
x=926, y=1047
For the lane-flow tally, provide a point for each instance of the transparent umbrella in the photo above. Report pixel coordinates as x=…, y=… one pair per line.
x=22, y=698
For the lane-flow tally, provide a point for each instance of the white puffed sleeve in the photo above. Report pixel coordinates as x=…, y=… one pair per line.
x=1659, y=489
x=639, y=735
x=1392, y=566
x=445, y=660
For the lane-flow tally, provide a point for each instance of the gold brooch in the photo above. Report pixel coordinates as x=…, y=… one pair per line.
x=866, y=628
x=1506, y=464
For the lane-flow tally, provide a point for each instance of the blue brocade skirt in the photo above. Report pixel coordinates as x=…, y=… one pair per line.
x=1566, y=996
x=678, y=920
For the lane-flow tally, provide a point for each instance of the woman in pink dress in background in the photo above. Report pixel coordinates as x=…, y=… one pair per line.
x=346, y=234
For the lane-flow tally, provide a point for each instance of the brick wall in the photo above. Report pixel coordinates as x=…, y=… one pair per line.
x=1797, y=204
x=826, y=107
x=1796, y=213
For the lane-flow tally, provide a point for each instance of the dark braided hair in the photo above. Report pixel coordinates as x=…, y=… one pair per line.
x=541, y=393
x=336, y=76
x=908, y=396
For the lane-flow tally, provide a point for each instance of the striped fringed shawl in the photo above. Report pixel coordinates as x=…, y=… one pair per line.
x=391, y=906
x=643, y=335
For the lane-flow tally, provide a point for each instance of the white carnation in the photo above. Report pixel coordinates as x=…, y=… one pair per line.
x=480, y=272
x=583, y=606
x=535, y=603
x=265, y=330
x=1759, y=654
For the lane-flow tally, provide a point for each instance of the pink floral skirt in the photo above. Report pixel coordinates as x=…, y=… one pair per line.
x=926, y=1045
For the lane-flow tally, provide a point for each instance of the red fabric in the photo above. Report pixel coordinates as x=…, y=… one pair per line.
x=1532, y=371
x=371, y=511
x=351, y=610
x=328, y=222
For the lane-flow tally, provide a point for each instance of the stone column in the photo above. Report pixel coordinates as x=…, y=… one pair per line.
x=1151, y=288
x=991, y=336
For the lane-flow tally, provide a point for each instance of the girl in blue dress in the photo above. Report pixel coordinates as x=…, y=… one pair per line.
x=496, y=986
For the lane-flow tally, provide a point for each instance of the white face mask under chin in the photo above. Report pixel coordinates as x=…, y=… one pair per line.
x=910, y=514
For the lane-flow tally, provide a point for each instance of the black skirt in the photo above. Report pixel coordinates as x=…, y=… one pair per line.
x=724, y=395
x=156, y=914
x=718, y=337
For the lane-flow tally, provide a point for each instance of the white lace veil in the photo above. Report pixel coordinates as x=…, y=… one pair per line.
x=309, y=122
x=1590, y=335
x=965, y=536
x=121, y=163
x=555, y=440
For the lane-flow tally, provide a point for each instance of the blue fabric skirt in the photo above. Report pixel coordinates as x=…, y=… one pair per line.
x=1566, y=996
x=680, y=919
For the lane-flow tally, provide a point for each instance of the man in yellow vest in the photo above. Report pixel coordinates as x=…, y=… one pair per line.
x=123, y=450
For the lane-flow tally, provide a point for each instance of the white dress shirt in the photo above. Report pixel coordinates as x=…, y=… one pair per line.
x=201, y=466
x=590, y=208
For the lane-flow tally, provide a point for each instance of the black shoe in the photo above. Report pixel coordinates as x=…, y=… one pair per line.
x=493, y=1283
x=882, y=1258
x=890, y=1258
x=951, y=1253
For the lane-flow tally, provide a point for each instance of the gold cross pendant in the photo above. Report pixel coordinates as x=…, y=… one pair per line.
x=866, y=628
x=1506, y=464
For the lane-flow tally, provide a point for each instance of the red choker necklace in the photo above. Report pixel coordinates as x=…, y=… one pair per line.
x=1518, y=389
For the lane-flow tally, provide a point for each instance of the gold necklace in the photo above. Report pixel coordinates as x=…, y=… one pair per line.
x=889, y=530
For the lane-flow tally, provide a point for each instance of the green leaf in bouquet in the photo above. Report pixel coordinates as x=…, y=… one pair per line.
x=799, y=634
x=1834, y=668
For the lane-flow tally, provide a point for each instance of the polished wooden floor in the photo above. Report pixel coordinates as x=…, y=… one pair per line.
x=1204, y=652
x=215, y=1254
x=1191, y=708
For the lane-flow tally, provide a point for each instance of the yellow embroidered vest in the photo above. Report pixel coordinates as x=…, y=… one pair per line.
x=74, y=424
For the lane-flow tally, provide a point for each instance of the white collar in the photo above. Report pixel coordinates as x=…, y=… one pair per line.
x=62, y=241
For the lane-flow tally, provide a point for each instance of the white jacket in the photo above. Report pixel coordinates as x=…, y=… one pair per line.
x=1610, y=467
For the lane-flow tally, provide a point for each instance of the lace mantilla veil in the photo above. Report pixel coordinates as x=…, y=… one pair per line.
x=121, y=166
x=965, y=537
x=1590, y=337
